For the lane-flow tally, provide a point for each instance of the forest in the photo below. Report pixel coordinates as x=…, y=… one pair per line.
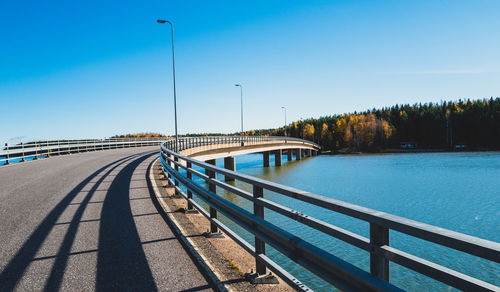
x=141, y=135
x=471, y=124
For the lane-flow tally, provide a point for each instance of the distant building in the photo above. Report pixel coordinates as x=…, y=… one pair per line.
x=408, y=145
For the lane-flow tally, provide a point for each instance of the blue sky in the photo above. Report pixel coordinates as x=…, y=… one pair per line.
x=98, y=68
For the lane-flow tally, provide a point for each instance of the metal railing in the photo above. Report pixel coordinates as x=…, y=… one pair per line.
x=40, y=149
x=192, y=142
x=322, y=263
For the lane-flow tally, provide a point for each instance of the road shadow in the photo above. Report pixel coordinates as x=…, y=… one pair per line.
x=121, y=262
x=54, y=280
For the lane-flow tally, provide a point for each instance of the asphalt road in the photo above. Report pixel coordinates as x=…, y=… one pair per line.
x=86, y=222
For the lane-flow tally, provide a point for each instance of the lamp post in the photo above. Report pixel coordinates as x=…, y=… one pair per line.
x=241, y=107
x=285, y=121
x=173, y=70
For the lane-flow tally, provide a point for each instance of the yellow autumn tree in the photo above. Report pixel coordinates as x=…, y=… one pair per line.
x=326, y=136
x=309, y=131
x=366, y=132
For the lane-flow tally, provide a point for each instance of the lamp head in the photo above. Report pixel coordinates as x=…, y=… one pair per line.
x=161, y=21
x=237, y=85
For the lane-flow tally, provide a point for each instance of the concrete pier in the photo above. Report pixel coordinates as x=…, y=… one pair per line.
x=277, y=157
x=229, y=163
x=266, y=158
x=298, y=154
x=210, y=161
x=289, y=155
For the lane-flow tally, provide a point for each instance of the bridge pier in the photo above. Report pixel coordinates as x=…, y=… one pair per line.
x=289, y=155
x=298, y=154
x=229, y=163
x=277, y=157
x=210, y=161
x=266, y=158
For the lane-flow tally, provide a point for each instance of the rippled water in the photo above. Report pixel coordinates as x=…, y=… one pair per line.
x=457, y=191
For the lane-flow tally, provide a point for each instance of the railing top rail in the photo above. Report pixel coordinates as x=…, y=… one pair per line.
x=35, y=149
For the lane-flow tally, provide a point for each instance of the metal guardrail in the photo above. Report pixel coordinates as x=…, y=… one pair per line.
x=324, y=264
x=38, y=149
x=191, y=142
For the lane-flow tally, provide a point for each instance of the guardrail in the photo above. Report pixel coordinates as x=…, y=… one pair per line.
x=41, y=149
x=191, y=142
x=322, y=263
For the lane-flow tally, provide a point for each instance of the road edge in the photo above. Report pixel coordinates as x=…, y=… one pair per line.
x=179, y=231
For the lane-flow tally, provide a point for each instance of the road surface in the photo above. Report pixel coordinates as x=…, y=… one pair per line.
x=87, y=222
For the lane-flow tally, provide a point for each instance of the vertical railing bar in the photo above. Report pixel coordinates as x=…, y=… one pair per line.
x=379, y=265
x=260, y=245
x=22, y=149
x=189, y=193
x=7, y=149
x=212, y=188
x=176, y=167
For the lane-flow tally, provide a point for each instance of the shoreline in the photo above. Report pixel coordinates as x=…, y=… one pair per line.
x=403, y=151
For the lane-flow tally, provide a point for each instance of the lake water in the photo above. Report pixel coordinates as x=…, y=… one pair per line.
x=457, y=191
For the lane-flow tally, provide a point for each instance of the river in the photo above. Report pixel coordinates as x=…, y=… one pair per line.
x=457, y=191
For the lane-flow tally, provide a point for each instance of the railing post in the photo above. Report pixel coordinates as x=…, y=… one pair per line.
x=212, y=188
x=169, y=164
x=260, y=246
x=189, y=193
x=379, y=266
x=22, y=149
x=176, y=167
x=7, y=150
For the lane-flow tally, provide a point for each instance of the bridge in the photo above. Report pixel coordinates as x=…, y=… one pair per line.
x=96, y=221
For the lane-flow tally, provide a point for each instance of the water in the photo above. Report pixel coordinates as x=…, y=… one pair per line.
x=3, y=159
x=457, y=191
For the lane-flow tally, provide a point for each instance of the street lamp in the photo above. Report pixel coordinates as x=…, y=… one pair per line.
x=173, y=70
x=285, y=121
x=241, y=98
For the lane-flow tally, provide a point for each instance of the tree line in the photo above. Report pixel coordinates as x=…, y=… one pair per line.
x=471, y=123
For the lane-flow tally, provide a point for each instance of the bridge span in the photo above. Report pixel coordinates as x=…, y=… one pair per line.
x=85, y=219
x=90, y=222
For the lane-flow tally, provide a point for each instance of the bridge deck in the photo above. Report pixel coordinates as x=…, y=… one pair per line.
x=87, y=222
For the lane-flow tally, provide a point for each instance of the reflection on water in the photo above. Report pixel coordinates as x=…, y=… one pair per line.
x=458, y=191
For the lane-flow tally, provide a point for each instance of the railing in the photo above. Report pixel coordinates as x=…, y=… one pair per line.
x=40, y=149
x=322, y=263
x=191, y=142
